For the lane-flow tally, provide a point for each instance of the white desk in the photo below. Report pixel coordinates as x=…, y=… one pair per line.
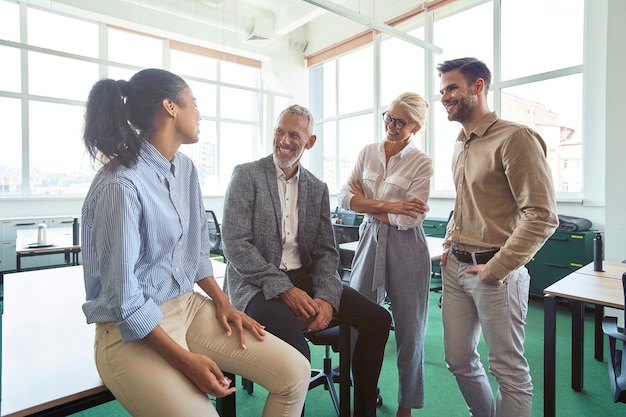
x=435, y=246
x=47, y=347
x=59, y=239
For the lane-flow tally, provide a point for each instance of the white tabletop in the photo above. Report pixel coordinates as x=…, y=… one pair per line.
x=47, y=347
x=435, y=246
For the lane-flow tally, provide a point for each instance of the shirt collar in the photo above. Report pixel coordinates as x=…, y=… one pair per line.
x=281, y=175
x=481, y=128
x=156, y=160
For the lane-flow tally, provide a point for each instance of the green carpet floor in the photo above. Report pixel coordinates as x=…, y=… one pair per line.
x=442, y=395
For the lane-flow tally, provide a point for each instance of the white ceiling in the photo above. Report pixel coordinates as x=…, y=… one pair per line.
x=253, y=28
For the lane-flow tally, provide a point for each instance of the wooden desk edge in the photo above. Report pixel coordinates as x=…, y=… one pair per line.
x=59, y=402
x=557, y=290
x=583, y=299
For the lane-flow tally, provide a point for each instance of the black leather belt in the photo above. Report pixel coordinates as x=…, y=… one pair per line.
x=476, y=258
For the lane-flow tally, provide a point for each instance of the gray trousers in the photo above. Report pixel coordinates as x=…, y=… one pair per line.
x=470, y=308
x=402, y=257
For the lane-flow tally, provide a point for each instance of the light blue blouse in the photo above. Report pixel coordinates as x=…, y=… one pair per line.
x=144, y=241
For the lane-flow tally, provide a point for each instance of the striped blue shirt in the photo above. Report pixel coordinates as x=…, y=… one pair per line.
x=144, y=241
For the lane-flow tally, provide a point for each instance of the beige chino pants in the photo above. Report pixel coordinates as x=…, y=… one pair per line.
x=147, y=385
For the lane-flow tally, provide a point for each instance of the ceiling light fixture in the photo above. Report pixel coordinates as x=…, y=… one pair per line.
x=373, y=24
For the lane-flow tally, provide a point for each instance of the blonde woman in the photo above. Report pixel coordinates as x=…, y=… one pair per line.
x=390, y=183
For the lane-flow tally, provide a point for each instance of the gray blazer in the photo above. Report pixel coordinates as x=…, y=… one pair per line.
x=252, y=235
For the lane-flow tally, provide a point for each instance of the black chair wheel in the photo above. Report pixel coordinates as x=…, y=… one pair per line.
x=379, y=398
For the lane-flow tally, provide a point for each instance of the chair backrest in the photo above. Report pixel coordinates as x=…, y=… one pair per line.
x=215, y=235
x=348, y=217
x=624, y=288
x=343, y=234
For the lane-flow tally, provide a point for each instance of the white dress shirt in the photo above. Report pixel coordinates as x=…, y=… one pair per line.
x=288, y=191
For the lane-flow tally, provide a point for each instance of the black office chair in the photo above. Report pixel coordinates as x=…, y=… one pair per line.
x=215, y=234
x=344, y=234
x=617, y=356
x=337, y=338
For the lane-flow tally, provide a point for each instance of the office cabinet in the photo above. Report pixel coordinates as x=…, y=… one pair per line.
x=562, y=254
x=435, y=227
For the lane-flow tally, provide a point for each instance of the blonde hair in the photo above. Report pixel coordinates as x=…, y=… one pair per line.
x=415, y=105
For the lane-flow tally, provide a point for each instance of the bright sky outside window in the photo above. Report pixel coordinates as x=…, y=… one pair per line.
x=11, y=155
x=55, y=103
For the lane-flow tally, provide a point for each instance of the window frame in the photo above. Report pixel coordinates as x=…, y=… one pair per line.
x=428, y=21
x=265, y=99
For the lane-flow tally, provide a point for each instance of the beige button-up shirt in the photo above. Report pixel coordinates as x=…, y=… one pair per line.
x=504, y=193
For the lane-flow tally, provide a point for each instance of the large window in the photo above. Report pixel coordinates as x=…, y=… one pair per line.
x=344, y=111
x=43, y=152
x=545, y=92
x=536, y=61
x=450, y=33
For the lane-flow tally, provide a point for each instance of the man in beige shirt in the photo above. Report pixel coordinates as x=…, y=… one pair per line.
x=504, y=211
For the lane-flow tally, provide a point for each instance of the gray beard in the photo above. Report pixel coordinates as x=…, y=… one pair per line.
x=286, y=164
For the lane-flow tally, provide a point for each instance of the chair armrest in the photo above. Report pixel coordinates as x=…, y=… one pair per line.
x=609, y=327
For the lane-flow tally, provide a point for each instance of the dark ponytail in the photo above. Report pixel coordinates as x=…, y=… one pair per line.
x=121, y=114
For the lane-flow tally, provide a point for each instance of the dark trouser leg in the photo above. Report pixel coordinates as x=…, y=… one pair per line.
x=372, y=323
x=279, y=320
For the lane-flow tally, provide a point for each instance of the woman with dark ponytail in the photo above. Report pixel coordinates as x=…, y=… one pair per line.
x=161, y=347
